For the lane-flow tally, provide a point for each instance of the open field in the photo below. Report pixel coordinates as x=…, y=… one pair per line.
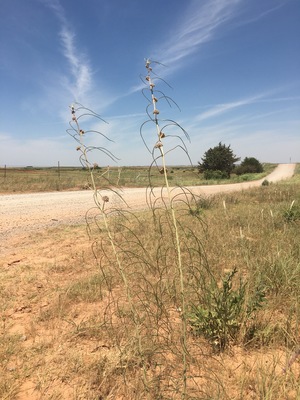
x=22, y=180
x=72, y=329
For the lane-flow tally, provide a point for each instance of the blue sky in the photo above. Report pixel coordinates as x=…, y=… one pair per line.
x=233, y=67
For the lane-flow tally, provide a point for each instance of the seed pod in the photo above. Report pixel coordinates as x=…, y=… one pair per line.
x=154, y=99
x=152, y=85
x=155, y=112
x=158, y=145
x=81, y=132
x=161, y=135
x=105, y=199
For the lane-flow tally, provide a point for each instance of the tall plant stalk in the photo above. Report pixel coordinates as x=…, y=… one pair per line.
x=101, y=201
x=160, y=146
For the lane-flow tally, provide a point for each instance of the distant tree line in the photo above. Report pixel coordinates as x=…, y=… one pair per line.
x=219, y=162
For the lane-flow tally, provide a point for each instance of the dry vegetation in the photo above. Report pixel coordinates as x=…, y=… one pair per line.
x=77, y=326
x=21, y=180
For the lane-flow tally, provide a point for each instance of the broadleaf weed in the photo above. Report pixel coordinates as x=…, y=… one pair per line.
x=224, y=311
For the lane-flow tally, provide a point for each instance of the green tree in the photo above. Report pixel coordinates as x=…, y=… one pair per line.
x=218, y=162
x=248, y=166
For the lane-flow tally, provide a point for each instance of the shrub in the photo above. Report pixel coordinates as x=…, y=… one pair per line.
x=201, y=204
x=249, y=165
x=246, y=177
x=215, y=175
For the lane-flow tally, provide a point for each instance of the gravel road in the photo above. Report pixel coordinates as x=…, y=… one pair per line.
x=26, y=213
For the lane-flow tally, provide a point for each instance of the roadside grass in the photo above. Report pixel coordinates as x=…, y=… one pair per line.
x=67, y=328
x=22, y=180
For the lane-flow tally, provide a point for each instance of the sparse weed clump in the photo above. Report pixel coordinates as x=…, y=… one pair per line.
x=292, y=213
x=146, y=282
x=225, y=310
x=265, y=182
x=199, y=205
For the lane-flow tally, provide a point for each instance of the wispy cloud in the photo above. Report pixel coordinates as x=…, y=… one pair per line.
x=262, y=14
x=80, y=69
x=203, y=22
x=200, y=25
x=226, y=107
x=223, y=108
x=78, y=63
